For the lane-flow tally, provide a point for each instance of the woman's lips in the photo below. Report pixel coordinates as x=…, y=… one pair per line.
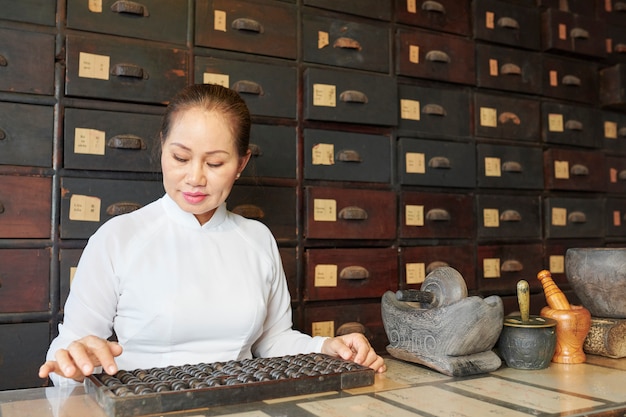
x=194, y=198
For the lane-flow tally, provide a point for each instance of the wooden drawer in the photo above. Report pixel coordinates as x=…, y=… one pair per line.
x=572, y=217
x=375, y=9
x=159, y=20
x=435, y=56
x=123, y=69
x=504, y=68
x=566, y=169
x=570, y=79
x=436, y=163
x=508, y=217
x=584, y=7
x=443, y=16
x=418, y=261
x=345, y=43
x=507, y=23
x=341, y=274
x=25, y=207
x=613, y=87
x=26, y=134
x=573, y=33
x=610, y=11
x=25, y=280
x=274, y=152
x=343, y=156
x=273, y=206
x=86, y=203
x=263, y=27
x=569, y=124
x=500, y=116
x=68, y=261
x=289, y=259
x=616, y=169
x=111, y=140
x=512, y=167
x=344, y=96
x=500, y=267
x=26, y=62
x=434, y=111
x=615, y=217
x=555, y=251
x=23, y=349
x=615, y=43
x=268, y=90
x=349, y=213
x=40, y=12
x=613, y=128
x=436, y=215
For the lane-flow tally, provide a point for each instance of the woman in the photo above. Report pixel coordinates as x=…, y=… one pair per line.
x=183, y=280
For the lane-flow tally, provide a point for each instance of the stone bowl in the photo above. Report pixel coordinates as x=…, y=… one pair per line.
x=598, y=277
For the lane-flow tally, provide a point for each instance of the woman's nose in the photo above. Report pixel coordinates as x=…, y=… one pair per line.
x=195, y=175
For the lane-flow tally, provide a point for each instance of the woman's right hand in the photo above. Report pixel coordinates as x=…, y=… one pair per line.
x=81, y=357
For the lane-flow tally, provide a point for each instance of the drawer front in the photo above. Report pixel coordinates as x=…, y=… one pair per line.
x=343, y=213
x=508, y=24
x=566, y=169
x=23, y=348
x=508, y=217
x=27, y=62
x=570, y=79
x=512, y=167
x=341, y=156
x=87, y=203
x=273, y=150
x=434, y=111
x=25, y=214
x=26, y=134
x=375, y=9
x=584, y=7
x=416, y=262
x=111, y=140
x=434, y=56
x=68, y=261
x=289, y=259
x=159, y=20
x=443, y=16
x=570, y=217
x=506, y=117
x=500, y=267
x=341, y=274
x=273, y=206
x=345, y=43
x=25, y=279
x=508, y=69
x=555, y=251
x=264, y=28
x=616, y=168
x=351, y=97
x=436, y=163
x=268, y=90
x=40, y=12
x=615, y=217
x=612, y=92
x=578, y=34
x=613, y=128
x=435, y=215
x=572, y=125
x=123, y=69
x=615, y=43
x=611, y=11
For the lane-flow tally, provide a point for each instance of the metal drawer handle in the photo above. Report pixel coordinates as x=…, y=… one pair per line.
x=352, y=213
x=622, y=132
x=3, y=61
x=129, y=70
x=438, y=215
x=433, y=6
x=3, y=134
x=248, y=87
x=353, y=96
x=127, y=141
x=122, y=207
x=619, y=6
x=354, y=272
x=577, y=217
x=250, y=25
x=579, y=170
x=434, y=265
x=571, y=80
x=437, y=56
x=510, y=216
x=348, y=155
x=510, y=69
x=249, y=211
x=434, y=110
x=439, y=162
x=620, y=48
x=574, y=125
x=579, y=33
x=255, y=150
x=347, y=43
x=622, y=175
x=130, y=7
x=509, y=117
x=508, y=23
x=352, y=327
x=512, y=166
x=512, y=266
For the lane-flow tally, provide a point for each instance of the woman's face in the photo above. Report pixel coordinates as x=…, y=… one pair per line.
x=200, y=162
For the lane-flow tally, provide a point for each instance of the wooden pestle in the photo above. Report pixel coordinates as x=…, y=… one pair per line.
x=554, y=296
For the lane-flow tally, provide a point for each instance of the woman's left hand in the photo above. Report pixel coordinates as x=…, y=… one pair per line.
x=354, y=347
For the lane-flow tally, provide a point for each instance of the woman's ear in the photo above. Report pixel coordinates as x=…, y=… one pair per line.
x=243, y=161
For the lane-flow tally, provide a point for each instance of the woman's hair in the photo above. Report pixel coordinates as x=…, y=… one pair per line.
x=211, y=98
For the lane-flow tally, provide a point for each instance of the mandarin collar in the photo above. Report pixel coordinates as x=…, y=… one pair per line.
x=187, y=219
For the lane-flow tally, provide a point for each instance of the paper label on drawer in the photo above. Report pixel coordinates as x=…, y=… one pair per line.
x=493, y=67
x=613, y=175
x=95, y=6
x=325, y=275
x=415, y=163
x=608, y=5
x=219, y=20
x=411, y=6
x=491, y=268
x=89, y=141
x=554, y=78
x=93, y=66
x=559, y=216
x=409, y=109
x=414, y=54
x=562, y=31
x=323, y=154
x=415, y=273
x=219, y=79
x=610, y=130
x=84, y=208
x=617, y=218
x=555, y=122
x=561, y=170
x=609, y=45
x=324, y=95
x=414, y=215
x=491, y=217
x=488, y=117
x=492, y=167
x=324, y=210
x=557, y=264
x=323, y=328
x=72, y=273
x=489, y=20
x=322, y=39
